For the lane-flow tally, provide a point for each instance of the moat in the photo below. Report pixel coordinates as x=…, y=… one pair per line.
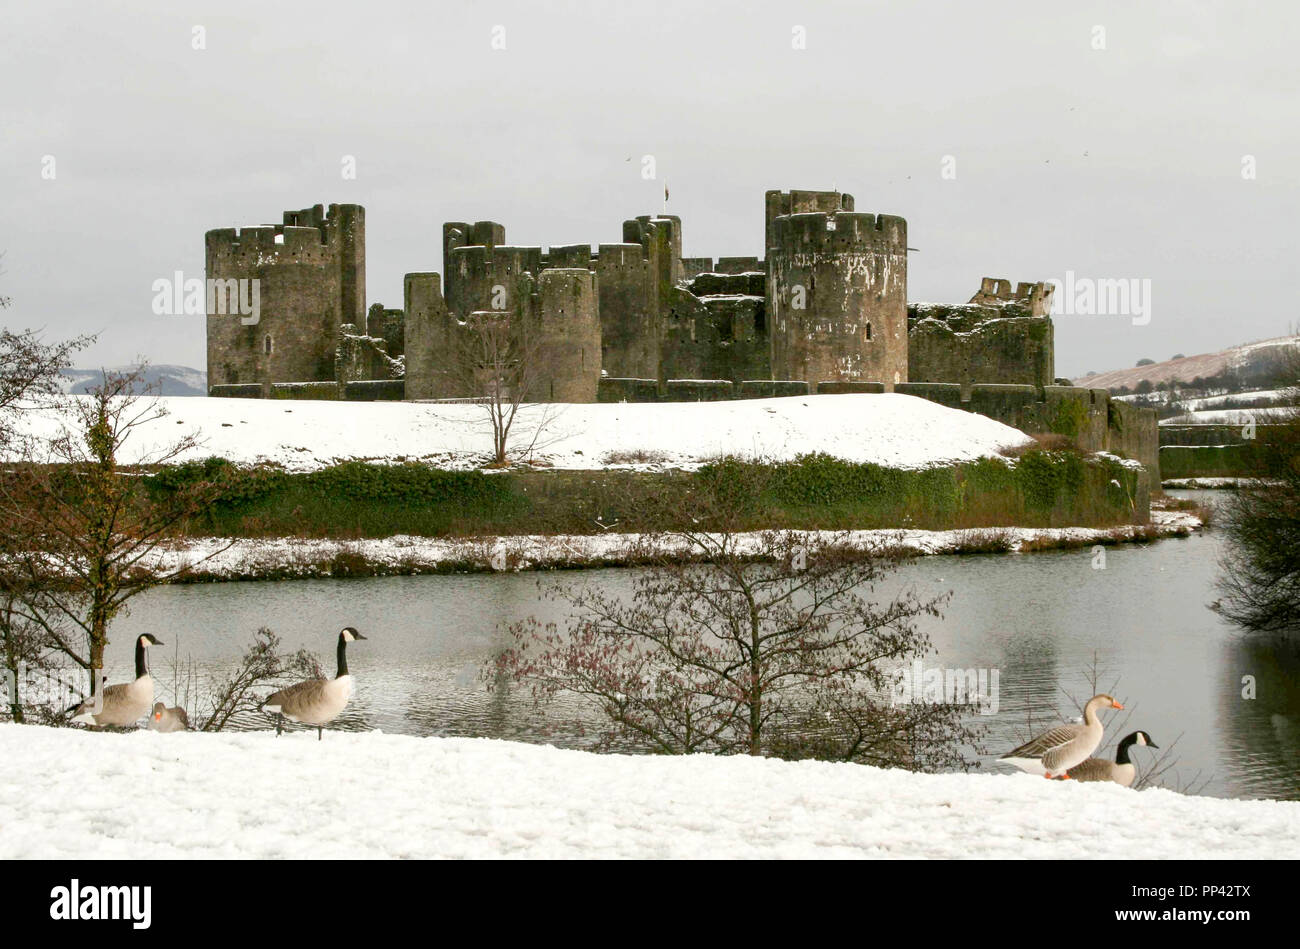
x=1039, y=619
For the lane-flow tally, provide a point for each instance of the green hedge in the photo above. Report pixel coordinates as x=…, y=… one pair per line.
x=1039, y=488
x=353, y=480
x=1207, y=461
x=359, y=499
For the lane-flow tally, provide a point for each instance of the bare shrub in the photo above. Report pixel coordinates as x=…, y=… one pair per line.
x=766, y=644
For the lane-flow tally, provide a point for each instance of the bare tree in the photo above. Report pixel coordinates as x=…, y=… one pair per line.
x=23, y=647
x=29, y=379
x=767, y=644
x=1260, y=570
x=81, y=532
x=498, y=364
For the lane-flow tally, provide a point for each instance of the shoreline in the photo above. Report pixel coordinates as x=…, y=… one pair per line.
x=221, y=560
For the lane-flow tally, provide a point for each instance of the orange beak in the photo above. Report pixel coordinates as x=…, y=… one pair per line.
x=157, y=715
x=1115, y=705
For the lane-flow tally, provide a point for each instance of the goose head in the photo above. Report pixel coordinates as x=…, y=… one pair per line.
x=1142, y=738
x=349, y=634
x=158, y=710
x=1103, y=700
x=149, y=639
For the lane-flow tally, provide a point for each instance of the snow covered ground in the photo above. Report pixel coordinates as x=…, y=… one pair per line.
x=1192, y=483
x=249, y=558
x=1232, y=416
x=1235, y=399
x=73, y=794
x=896, y=430
x=1222, y=400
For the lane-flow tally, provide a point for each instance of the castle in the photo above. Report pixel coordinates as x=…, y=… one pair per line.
x=824, y=311
x=826, y=306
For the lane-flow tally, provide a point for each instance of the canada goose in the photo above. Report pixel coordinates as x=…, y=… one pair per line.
x=1121, y=770
x=127, y=703
x=1059, y=749
x=166, y=719
x=316, y=701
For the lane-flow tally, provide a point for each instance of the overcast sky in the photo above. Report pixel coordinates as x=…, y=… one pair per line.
x=1122, y=162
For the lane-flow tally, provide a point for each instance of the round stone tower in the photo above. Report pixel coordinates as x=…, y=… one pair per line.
x=308, y=277
x=837, y=297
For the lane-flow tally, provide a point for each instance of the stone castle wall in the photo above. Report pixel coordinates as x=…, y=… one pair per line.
x=968, y=342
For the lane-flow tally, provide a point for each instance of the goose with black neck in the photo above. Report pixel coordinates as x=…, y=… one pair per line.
x=316, y=701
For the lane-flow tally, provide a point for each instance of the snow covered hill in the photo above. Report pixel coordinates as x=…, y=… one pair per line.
x=73, y=794
x=895, y=430
x=1249, y=359
x=165, y=380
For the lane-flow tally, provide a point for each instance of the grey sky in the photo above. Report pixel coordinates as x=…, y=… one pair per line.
x=156, y=142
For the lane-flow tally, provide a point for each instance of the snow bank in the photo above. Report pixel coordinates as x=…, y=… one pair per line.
x=895, y=430
x=219, y=558
x=74, y=794
x=1208, y=483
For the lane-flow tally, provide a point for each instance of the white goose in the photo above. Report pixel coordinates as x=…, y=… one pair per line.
x=1059, y=749
x=316, y=701
x=128, y=702
x=1121, y=770
x=164, y=719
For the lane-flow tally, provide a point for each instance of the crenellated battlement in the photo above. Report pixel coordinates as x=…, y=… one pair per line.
x=568, y=256
x=261, y=246
x=839, y=232
x=1037, y=296
x=480, y=248
x=311, y=235
x=783, y=203
x=659, y=234
x=613, y=256
x=502, y=260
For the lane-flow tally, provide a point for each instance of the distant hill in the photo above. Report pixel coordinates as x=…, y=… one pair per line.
x=163, y=380
x=1250, y=364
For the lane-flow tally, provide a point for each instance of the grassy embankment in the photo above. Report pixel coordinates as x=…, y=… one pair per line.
x=357, y=500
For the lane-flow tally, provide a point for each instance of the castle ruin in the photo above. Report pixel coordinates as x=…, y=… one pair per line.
x=826, y=307
x=824, y=311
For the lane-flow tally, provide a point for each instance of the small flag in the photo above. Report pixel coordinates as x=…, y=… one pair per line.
x=665, y=194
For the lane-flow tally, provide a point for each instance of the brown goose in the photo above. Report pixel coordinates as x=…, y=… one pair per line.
x=166, y=719
x=128, y=702
x=1121, y=770
x=316, y=701
x=1059, y=749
